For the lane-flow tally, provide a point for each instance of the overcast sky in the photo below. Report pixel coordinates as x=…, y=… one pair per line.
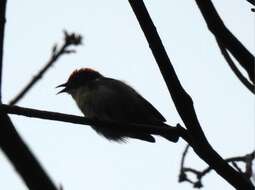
x=74, y=155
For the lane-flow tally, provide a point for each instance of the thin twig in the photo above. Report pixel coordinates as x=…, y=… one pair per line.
x=69, y=40
x=182, y=175
x=237, y=167
x=184, y=103
x=163, y=130
x=234, y=68
x=247, y=159
x=184, y=154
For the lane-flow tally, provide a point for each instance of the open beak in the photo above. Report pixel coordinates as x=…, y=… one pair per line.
x=63, y=90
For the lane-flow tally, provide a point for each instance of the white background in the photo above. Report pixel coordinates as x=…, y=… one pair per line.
x=74, y=155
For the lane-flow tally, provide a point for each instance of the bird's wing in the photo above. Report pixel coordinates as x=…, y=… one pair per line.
x=131, y=108
x=151, y=108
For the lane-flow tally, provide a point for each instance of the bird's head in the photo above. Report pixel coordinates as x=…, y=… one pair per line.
x=79, y=78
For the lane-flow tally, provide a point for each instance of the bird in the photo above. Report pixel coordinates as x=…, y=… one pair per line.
x=107, y=99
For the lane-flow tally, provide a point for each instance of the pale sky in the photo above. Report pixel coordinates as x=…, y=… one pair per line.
x=74, y=155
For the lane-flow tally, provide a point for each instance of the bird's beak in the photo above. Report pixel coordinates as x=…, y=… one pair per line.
x=63, y=90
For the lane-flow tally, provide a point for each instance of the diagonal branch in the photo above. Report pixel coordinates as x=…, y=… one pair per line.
x=164, y=130
x=232, y=65
x=224, y=35
x=22, y=158
x=252, y=2
x=69, y=40
x=184, y=103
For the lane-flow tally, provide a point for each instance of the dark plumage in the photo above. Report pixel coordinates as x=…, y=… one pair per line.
x=108, y=99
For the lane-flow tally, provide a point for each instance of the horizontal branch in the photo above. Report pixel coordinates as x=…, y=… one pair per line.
x=162, y=130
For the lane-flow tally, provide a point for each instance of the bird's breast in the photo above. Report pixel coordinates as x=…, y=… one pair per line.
x=84, y=99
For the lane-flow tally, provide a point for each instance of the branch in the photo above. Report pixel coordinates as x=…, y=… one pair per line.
x=247, y=159
x=232, y=65
x=69, y=40
x=12, y=144
x=163, y=130
x=228, y=40
x=184, y=103
x=2, y=27
x=22, y=158
x=251, y=2
x=182, y=175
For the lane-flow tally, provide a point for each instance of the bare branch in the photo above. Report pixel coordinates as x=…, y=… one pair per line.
x=232, y=65
x=252, y=2
x=184, y=103
x=22, y=157
x=2, y=27
x=182, y=175
x=227, y=39
x=163, y=130
x=247, y=159
x=69, y=40
x=12, y=144
x=236, y=167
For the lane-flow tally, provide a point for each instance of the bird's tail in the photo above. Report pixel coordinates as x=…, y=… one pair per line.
x=170, y=133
